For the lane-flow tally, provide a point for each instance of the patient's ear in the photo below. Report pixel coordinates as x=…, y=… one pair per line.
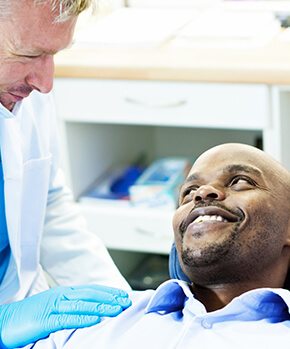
x=288, y=236
x=287, y=281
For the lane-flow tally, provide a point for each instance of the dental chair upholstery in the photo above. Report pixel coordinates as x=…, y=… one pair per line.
x=175, y=270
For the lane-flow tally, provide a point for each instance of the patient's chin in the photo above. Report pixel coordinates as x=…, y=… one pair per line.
x=205, y=257
x=208, y=268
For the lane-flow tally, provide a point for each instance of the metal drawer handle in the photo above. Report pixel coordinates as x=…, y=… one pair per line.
x=161, y=104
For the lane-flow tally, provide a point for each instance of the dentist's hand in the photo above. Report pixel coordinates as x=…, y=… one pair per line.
x=59, y=308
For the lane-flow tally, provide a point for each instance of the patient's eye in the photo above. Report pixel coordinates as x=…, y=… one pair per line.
x=242, y=183
x=187, y=194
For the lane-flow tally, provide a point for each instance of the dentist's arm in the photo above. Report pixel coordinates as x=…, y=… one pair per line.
x=59, y=308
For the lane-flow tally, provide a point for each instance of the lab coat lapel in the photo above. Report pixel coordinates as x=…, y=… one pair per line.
x=26, y=168
x=12, y=169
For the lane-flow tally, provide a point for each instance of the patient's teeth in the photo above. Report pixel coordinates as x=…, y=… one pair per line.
x=201, y=219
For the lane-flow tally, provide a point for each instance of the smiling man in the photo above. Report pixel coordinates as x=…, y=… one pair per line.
x=232, y=233
x=232, y=229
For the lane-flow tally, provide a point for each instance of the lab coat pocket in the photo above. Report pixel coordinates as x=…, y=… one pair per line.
x=35, y=187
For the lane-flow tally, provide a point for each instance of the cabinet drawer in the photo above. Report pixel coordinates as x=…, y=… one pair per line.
x=130, y=229
x=210, y=105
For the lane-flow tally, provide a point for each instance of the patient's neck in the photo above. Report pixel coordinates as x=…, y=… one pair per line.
x=217, y=293
x=217, y=296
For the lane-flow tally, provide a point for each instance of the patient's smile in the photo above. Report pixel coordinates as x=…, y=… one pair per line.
x=214, y=218
x=213, y=214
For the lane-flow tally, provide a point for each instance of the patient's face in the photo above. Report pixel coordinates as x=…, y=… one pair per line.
x=233, y=219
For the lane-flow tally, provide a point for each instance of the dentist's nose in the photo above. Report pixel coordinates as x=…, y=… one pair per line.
x=208, y=193
x=42, y=74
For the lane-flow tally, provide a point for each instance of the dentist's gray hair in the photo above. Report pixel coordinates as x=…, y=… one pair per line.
x=65, y=9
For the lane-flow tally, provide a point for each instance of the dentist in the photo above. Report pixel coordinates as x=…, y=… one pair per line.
x=40, y=226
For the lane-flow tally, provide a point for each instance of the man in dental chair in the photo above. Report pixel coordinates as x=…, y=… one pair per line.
x=232, y=236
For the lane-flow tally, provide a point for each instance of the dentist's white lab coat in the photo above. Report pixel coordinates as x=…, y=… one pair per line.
x=44, y=225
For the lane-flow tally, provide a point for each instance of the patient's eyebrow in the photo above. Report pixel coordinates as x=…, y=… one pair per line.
x=229, y=169
x=192, y=178
x=242, y=168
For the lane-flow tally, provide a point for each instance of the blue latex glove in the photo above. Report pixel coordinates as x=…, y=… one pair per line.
x=59, y=308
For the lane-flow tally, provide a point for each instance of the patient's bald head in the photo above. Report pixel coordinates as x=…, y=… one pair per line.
x=249, y=155
x=233, y=221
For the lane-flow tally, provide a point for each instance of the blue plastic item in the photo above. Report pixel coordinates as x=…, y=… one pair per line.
x=121, y=185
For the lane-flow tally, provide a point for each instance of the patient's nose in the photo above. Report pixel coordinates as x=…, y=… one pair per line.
x=208, y=193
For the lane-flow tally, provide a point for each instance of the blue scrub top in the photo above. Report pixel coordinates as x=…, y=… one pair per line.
x=4, y=241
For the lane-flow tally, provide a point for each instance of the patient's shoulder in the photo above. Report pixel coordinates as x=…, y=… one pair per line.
x=138, y=297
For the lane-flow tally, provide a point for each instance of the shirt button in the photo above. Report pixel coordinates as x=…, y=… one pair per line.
x=206, y=324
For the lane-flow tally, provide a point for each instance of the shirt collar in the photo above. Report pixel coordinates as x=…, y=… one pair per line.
x=169, y=297
x=267, y=300
x=6, y=114
x=172, y=295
